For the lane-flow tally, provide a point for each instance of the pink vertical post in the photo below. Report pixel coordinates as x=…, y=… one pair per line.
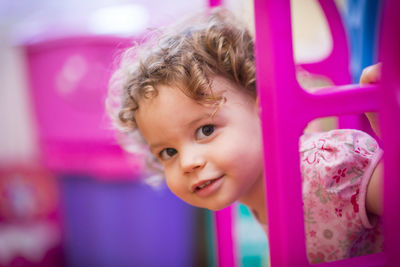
x=390, y=124
x=277, y=89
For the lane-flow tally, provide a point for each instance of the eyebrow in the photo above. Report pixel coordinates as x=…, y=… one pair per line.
x=200, y=118
x=154, y=146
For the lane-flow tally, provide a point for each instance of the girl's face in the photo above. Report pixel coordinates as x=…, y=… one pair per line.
x=209, y=160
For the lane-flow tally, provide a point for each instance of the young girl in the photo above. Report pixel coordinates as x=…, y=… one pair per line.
x=191, y=94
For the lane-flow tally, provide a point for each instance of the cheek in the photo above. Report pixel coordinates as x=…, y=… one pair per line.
x=174, y=182
x=243, y=148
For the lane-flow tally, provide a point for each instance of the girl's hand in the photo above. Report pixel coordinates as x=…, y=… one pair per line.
x=372, y=75
x=374, y=200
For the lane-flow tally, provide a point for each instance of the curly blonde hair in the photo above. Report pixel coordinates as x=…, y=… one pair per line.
x=187, y=56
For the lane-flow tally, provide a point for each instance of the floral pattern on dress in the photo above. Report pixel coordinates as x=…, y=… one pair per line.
x=336, y=167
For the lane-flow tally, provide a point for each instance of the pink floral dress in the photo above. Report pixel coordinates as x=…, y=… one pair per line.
x=336, y=167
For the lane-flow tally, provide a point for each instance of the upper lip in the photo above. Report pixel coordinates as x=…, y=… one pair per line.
x=199, y=183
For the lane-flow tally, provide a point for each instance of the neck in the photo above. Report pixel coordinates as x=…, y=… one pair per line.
x=255, y=200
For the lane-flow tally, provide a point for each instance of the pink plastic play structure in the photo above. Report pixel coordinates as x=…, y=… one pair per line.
x=281, y=98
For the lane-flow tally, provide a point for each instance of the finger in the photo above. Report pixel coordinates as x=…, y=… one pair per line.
x=371, y=74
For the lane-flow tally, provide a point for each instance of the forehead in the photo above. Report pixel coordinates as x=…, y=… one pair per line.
x=169, y=96
x=164, y=117
x=171, y=108
x=169, y=99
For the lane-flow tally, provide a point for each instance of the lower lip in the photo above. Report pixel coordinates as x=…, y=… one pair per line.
x=210, y=189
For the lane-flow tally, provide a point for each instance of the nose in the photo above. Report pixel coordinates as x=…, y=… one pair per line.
x=192, y=158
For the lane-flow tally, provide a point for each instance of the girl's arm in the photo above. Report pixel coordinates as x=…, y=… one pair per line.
x=372, y=75
x=374, y=198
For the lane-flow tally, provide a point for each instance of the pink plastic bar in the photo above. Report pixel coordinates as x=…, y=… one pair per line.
x=287, y=108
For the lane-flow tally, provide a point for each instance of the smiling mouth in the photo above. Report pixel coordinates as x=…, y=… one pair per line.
x=205, y=184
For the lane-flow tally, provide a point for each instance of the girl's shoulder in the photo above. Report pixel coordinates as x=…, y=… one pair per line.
x=341, y=162
x=343, y=154
x=342, y=148
x=340, y=139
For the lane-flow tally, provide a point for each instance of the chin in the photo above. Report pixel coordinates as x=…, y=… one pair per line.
x=213, y=204
x=219, y=206
x=209, y=207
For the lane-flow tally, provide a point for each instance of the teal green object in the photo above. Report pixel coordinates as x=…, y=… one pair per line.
x=252, y=243
x=210, y=244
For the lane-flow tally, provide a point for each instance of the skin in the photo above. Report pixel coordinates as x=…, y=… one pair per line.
x=374, y=202
x=196, y=144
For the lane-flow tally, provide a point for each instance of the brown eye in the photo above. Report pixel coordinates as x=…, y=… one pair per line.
x=205, y=131
x=167, y=153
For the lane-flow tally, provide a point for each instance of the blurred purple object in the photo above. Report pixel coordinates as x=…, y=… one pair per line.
x=126, y=224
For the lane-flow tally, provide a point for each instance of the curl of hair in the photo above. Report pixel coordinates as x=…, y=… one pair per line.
x=187, y=56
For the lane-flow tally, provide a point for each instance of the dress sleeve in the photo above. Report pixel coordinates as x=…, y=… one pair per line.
x=343, y=162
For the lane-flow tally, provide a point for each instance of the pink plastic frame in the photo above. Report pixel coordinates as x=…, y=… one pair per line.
x=335, y=67
x=287, y=108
